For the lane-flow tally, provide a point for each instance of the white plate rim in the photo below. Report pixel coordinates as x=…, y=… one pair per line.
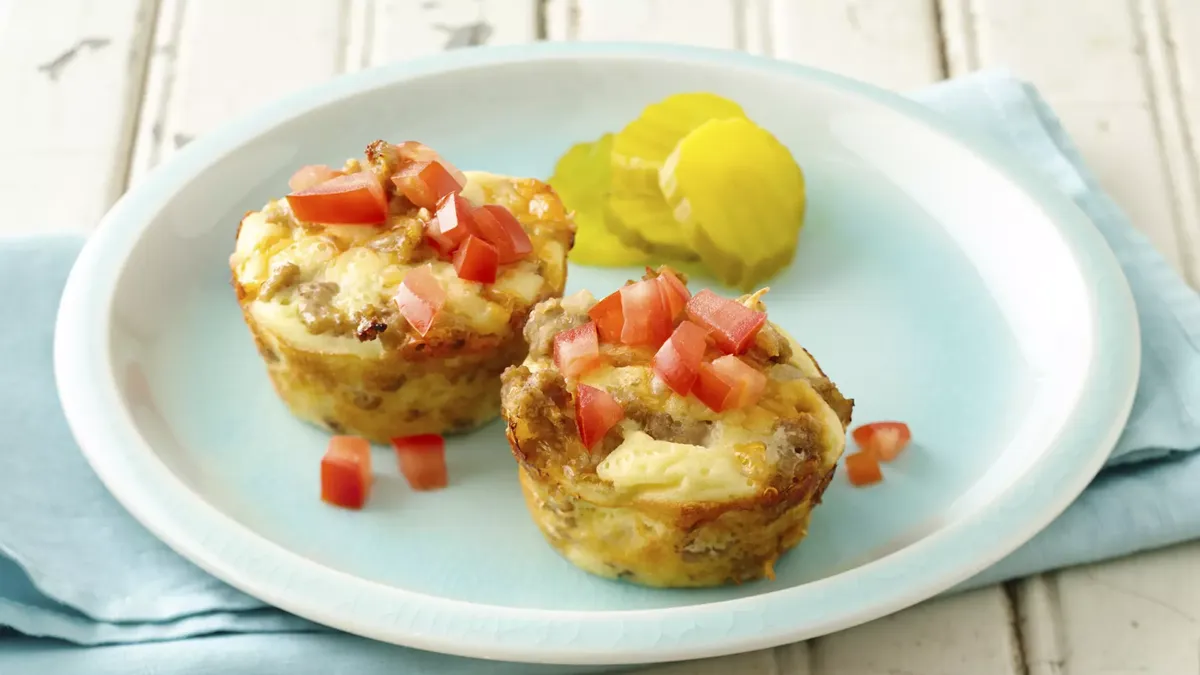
x=163, y=504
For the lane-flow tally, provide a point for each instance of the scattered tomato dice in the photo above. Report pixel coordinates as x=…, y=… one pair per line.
x=747, y=382
x=422, y=461
x=353, y=199
x=646, y=318
x=677, y=362
x=577, y=350
x=883, y=440
x=675, y=293
x=712, y=390
x=500, y=228
x=313, y=174
x=346, y=472
x=608, y=317
x=732, y=324
x=596, y=411
x=454, y=219
x=476, y=260
x=420, y=297
x=425, y=183
x=863, y=469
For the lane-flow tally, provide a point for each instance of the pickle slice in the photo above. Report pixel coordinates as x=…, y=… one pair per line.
x=739, y=194
x=640, y=215
x=581, y=179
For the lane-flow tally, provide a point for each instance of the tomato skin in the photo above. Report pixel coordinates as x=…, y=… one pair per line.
x=313, y=174
x=433, y=236
x=414, y=151
x=712, y=390
x=647, y=321
x=677, y=362
x=425, y=183
x=577, y=350
x=476, y=260
x=675, y=293
x=747, y=382
x=596, y=411
x=422, y=461
x=882, y=440
x=353, y=199
x=732, y=324
x=608, y=318
x=454, y=219
x=862, y=469
x=346, y=472
x=500, y=228
x=420, y=298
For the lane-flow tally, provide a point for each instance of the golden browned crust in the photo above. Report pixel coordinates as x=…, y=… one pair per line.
x=689, y=545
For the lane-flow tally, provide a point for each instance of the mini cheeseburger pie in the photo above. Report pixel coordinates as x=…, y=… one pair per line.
x=670, y=439
x=387, y=297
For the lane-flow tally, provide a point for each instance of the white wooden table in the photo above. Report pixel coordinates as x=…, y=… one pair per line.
x=93, y=93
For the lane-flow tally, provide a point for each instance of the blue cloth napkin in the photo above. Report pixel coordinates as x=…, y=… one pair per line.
x=75, y=566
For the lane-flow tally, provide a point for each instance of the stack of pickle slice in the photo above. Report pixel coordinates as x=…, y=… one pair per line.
x=692, y=181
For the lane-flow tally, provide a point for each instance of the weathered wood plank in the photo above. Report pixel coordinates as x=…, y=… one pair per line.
x=407, y=28
x=963, y=633
x=890, y=43
x=71, y=75
x=1087, y=62
x=1177, y=24
x=199, y=78
x=710, y=23
x=1139, y=614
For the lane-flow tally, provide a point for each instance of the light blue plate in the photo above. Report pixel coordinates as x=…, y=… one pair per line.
x=935, y=283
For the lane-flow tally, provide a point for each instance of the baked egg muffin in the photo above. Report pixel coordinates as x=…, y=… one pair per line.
x=387, y=297
x=670, y=439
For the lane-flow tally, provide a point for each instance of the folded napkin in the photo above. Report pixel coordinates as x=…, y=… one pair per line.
x=75, y=566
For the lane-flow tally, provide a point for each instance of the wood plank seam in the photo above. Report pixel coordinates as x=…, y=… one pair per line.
x=150, y=148
x=1012, y=608
x=356, y=37
x=1144, y=20
x=957, y=25
x=1163, y=58
x=139, y=65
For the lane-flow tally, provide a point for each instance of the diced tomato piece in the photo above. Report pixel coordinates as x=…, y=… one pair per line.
x=476, y=260
x=454, y=219
x=420, y=298
x=712, y=390
x=863, y=469
x=433, y=235
x=596, y=411
x=646, y=319
x=346, y=472
x=732, y=324
x=425, y=183
x=728, y=383
x=354, y=199
x=500, y=228
x=313, y=174
x=609, y=320
x=678, y=360
x=422, y=461
x=675, y=294
x=412, y=151
x=577, y=350
x=746, y=381
x=883, y=440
